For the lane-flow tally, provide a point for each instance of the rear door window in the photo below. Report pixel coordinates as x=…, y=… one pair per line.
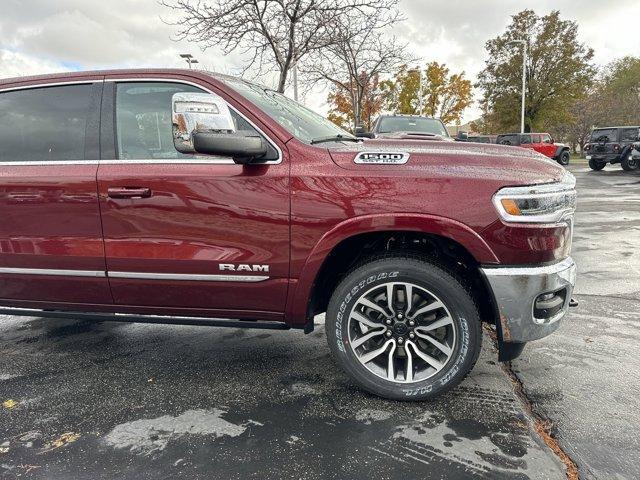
x=44, y=124
x=546, y=138
x=525, y=139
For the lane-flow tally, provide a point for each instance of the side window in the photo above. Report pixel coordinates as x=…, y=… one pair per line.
x=143, y=120
x=535, y=138
x=508, y=140
x=629, y=135
x=546, y=138
x=44, y=124
x=525, y=139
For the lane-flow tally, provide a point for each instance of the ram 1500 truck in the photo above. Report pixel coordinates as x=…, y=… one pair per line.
x=189, y=197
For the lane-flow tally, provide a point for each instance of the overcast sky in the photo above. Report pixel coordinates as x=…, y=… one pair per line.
x=40, y=36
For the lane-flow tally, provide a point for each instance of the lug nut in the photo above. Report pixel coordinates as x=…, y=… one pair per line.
x=412, y=323
x=388, y=334
x=400, y=340
x=388, y=322
x=412, y=335
x=399, y=316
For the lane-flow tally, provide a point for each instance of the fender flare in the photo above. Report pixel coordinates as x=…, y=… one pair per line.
x=559, y=150
x=301, y=289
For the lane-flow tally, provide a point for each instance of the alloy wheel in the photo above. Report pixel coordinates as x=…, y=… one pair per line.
x=402, y=332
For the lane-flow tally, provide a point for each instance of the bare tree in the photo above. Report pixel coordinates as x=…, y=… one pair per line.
x=274, y=33
x=358, y=56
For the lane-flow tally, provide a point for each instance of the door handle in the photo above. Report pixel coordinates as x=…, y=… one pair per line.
x=129, y=192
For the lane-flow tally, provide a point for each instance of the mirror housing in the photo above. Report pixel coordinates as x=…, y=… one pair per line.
x=198, y=112
x=462, y=136
x=202, y=123
x=243, y=146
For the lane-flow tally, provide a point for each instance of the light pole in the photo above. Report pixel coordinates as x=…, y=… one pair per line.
x=189, y=59
x=295, y=81
x=524, y=79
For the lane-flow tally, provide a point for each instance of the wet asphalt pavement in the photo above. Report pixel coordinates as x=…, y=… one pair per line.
x=586, y=377
x=84, y=400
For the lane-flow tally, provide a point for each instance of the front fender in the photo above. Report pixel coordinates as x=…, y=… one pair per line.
x=559, y=150
x=300, y=290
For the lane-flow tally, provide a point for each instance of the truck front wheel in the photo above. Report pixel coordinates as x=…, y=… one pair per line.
x=404, y=328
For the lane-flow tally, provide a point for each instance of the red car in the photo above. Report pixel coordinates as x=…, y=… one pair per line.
x=540, y=142
x=186, y=197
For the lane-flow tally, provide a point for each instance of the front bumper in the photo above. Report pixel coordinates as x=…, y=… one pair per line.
x=517, y=290
x=604, y=157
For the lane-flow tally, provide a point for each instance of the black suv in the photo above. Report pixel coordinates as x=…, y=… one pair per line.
x=612, y=145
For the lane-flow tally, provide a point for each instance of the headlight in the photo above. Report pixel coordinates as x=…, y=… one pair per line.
x=547, y=203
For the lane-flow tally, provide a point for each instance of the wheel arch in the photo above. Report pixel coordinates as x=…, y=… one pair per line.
x=560, y=149
x=355, y=234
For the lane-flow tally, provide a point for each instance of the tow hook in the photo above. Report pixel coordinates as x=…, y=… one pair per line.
x=573, y=302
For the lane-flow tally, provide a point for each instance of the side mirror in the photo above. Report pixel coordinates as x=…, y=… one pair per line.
x=244, y=146
x=361, y=132
x=462, y=137
x=202, y=123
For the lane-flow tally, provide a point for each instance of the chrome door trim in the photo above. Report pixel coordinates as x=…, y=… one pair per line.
x=52, y=162
x=50, y=84
x=53, y=272
x=188, y=277
x=172, y=161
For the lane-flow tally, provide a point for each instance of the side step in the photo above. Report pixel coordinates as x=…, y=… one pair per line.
x=135, y=318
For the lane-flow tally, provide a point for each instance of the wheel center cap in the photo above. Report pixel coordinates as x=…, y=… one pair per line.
x=400, y=329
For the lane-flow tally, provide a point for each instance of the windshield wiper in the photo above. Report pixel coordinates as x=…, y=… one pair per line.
x=335, y=138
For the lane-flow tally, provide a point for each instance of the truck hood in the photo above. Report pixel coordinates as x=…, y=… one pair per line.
x=511, y=165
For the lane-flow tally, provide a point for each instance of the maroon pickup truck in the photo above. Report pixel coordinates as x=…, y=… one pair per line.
x=176, y=196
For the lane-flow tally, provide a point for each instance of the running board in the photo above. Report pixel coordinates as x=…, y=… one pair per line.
x=136, y=318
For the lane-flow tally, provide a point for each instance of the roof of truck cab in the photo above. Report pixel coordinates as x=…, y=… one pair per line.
x=134, y=72
x=613, y=128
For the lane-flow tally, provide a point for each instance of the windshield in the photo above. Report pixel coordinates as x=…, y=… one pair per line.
x=301, y=122
x=411, y=124
x=604, y=134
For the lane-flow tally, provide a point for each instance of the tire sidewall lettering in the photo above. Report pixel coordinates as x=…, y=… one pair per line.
x=342, y=337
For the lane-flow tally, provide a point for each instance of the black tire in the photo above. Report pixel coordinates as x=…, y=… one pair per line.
x=629, y=165
x=593, y=165
x=424, y=274
x=564, y=158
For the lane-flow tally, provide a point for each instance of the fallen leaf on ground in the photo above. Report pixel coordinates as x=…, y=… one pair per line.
x=61, y=441
x=9, y=404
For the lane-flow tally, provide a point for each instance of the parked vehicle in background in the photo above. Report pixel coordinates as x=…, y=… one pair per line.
x=540, y=142
x=612, y=145
x=633, y=161
x=407, y=127
x=464, y=137
x=189, y=197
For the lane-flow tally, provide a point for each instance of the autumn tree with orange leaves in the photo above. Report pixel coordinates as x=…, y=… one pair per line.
x=341, y=112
